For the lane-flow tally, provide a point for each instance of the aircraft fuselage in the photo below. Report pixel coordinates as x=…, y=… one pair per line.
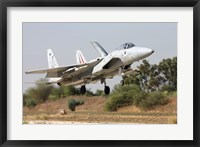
x=109, y=66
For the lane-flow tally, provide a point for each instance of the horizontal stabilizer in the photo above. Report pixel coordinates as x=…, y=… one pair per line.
x=45, y=81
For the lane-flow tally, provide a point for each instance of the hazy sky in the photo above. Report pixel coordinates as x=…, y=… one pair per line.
x=65, y=38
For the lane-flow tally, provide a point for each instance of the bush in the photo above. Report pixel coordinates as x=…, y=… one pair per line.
x=57, y=93
x=133, y=95
x=43, y=92
x=72, y=103
x=115, y=101
x=80, y=102
x=71, y=90
x=53, y=97
x=174, y=93
x=25, y=96
x=30, y=103
x=40, y=93
x=169, y=88
x=153, y=99
x=63, y=91
x=123, y=96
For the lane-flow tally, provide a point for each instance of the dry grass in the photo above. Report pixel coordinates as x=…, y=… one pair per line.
x=172, y=120
x=93, y=112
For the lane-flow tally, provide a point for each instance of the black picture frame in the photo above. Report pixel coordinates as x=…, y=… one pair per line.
x=97, y=3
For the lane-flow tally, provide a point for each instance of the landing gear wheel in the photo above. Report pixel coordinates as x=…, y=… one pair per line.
x=122, y=82
x=107, y=90
x=83, y=90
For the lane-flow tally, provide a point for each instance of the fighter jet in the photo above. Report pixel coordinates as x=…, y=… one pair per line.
x=118, y=62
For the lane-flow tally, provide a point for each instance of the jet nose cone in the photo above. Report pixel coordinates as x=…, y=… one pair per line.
x=149, y=51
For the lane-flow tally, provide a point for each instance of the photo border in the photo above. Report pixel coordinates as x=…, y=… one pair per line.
x=97, y=3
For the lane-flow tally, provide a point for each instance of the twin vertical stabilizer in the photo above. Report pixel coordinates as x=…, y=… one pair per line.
x=52, y=62
x=80, y=59
x=99, y=48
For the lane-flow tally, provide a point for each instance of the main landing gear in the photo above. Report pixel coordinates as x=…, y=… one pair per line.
x=106, y=90
x=122, y=82
x=83, y=89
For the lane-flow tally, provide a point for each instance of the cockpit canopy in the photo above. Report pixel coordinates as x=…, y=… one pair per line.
x=126, y=45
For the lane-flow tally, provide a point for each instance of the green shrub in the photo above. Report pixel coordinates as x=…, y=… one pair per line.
x=174, y=93
x=139, y=97
x=63, y=91
x=40, y=93
x=133, y=95
x=114, y=102
x=79, y=102
x=168, y=88
x=166, y=93
x=30, y=103
x=123, y=96
x=72, y=103
x=53, y=97
x=25, y=96
x=57, y=93
x=71, y=90
x=153, y=99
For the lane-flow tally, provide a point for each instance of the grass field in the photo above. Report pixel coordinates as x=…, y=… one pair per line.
x=93, y=112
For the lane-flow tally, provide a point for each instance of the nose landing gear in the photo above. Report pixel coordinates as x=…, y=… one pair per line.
x=122, y=82
x=121, y=73
x=83, y=89
x=106, y=88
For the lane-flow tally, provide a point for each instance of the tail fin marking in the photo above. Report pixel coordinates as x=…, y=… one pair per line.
x=80, y=59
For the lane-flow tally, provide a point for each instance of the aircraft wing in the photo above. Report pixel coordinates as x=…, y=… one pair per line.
x=88, y=66
x=54, y=70
x=62, y=69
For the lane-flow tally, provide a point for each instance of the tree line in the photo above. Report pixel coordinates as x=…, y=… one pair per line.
x=155, y=77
